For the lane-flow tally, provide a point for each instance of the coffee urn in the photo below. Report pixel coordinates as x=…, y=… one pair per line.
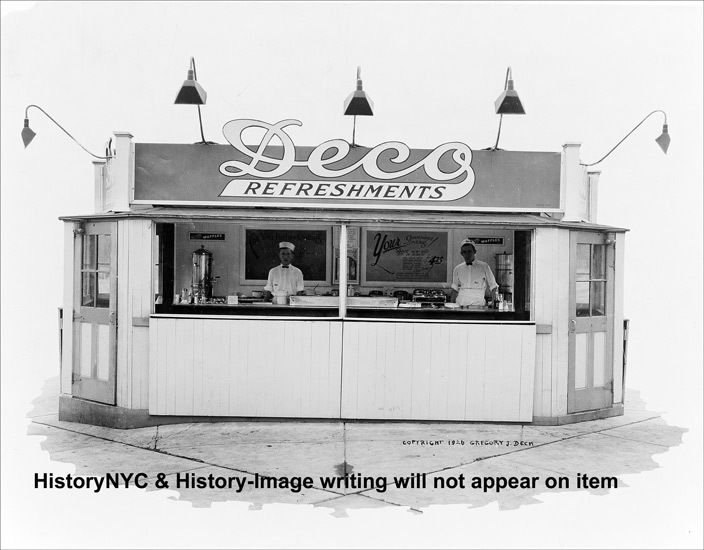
x=202, y=275
x=504, y=275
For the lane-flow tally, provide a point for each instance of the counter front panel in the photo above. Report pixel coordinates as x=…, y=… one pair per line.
x=354, y=369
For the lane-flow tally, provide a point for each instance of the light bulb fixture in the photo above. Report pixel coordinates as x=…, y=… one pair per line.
x=28, y=134
x=192, y=93
x=358, y=103
x=663, y=140
x=508, y=103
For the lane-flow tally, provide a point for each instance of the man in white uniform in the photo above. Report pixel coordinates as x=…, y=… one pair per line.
x=471, y=278
x=284, y=279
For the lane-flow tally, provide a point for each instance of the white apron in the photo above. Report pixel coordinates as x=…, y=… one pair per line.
x=471, y=296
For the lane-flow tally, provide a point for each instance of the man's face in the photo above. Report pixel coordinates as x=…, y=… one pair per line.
x=467, y=252
x=286, y=256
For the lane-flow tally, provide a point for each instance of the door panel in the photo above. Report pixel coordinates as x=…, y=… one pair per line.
x=95, y=326
x=590, y=376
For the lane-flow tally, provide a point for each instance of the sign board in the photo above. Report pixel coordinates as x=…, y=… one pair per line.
x=276, y=172
x=406, y=256
x=262, y=252
x=487, y=240
x=207, y=236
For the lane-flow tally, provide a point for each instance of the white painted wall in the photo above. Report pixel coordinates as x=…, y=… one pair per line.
x=574, y=185
x=119, y=175
x=134, y=305
x=551, y=248
x=619, y=254
x=69, y=293
x=240, y=367
x=295, y=368
x=438, y=371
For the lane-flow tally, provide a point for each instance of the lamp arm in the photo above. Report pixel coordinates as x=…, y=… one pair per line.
x=501, y=117
x=626, y=136
x=200, y=116
x=193, y=64
x=26, y=111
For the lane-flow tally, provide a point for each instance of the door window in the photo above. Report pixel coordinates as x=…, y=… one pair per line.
x=591, y=280
x=95, y=271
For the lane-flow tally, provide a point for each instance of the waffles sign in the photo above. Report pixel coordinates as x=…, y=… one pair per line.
x=335, y=170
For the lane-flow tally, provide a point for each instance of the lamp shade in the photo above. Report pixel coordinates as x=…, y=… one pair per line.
x=27, y=133
x=508, y=103
x=191, y=93
x=358, y=103
x=663, y=140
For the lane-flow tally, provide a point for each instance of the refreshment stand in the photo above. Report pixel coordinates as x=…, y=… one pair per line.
x=164, y=320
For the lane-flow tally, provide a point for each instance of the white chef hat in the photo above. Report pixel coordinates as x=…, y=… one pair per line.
x=469, y=241
x=286, y=244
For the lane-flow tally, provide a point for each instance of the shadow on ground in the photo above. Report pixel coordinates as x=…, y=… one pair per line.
x=369, y=456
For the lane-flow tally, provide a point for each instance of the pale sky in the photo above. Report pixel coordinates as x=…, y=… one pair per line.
x=586, y=72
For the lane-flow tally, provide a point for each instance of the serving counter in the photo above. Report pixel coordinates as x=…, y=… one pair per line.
x=341, y=368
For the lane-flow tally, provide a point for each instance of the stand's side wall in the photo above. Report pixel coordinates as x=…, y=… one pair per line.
x=551, y=310
x=618, y=317
x=134, y=299
x=68, y=302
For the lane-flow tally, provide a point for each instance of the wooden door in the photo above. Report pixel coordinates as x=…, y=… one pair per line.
x=590, y=374
x=95, y=318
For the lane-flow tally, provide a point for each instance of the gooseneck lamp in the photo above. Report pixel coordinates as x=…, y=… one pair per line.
x=192, y=93
x=358, y=103
x=508, y=103
x=663, y=140
x=28, y=134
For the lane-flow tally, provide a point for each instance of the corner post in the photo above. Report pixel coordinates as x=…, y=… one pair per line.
x=99, y=186
x=593, y=176
x=119, y=189
x=573, y=185
x=342, y=277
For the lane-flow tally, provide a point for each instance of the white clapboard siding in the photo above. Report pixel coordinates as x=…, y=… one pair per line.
x=551, y=308
x=232, y=367
x=71, y=249
x=618, y=317
x=437, y=371
x=134, y=299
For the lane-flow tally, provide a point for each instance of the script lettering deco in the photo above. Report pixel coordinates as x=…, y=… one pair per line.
x=253, y=182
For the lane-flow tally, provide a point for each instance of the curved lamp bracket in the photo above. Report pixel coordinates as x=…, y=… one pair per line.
x=663, y=140
x=28, y=134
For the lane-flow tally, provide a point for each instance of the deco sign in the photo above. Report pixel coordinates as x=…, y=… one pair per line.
x=448, y=174
x=272, y=171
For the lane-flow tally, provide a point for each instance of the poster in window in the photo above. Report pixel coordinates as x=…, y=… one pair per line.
x=406, y=256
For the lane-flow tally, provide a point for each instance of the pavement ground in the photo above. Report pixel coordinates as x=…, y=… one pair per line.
x=377, y=451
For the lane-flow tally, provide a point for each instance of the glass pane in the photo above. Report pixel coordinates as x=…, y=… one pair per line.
x=583, y=253
x=598, y=298
x=582, y=299
x=89, y=251
x=598, y=261
x=104, y=250
x=88, y=289
x=103, y=290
